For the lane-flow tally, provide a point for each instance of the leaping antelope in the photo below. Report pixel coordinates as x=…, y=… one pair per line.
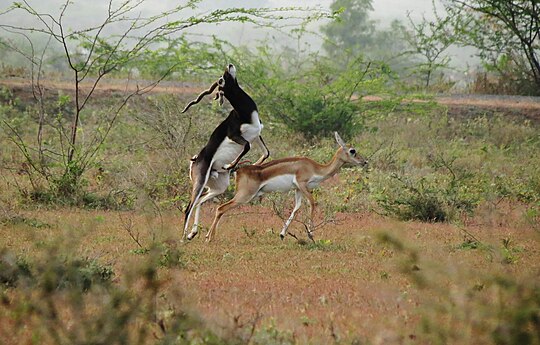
x=229, y=142
x=281, y=175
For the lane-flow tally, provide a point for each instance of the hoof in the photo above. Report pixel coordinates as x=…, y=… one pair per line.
x=191, y=236
x=281, y=236
x=228, y=167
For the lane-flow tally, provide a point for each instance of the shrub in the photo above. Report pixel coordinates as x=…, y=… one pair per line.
x=61, y=291
x=430, y=198
x=313, y=98
x=12, y=268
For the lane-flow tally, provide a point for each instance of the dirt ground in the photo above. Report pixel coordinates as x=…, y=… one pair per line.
x=347, y=286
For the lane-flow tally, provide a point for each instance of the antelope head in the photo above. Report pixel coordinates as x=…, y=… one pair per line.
x=348, y=154
x=229, y=77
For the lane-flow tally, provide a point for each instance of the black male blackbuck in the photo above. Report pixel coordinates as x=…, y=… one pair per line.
x=229, y=142
x=281, y=175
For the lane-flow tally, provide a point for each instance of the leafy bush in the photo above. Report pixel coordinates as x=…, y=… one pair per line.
x=310, y=95
x=428, y=198
x=58, y=273
x=12, y=268
x=80, y=292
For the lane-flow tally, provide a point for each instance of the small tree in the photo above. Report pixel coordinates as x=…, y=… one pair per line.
x=430, y=39
x=506, y=34
x=355, y=34
x=308, y=94
x=353, y=30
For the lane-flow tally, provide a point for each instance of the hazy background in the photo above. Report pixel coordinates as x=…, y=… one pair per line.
x=84, y=13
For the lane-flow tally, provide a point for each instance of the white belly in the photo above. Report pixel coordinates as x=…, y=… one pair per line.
x=281, y=183
x=252, y=130
x=229, y=150
x=226, y=153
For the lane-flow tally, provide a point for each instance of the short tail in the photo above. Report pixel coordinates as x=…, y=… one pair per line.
x=200, y=172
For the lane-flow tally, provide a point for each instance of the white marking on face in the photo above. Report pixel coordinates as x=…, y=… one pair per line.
x=232, y=70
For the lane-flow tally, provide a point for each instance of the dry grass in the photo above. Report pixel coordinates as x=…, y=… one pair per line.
x=349, y=285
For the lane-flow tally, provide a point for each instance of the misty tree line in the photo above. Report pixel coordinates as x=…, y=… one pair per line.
x=504, y=35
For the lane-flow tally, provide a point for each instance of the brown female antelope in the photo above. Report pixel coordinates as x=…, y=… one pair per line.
x=229, y=142
x=281, y=175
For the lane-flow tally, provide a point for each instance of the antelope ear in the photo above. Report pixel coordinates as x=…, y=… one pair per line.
x=339, y=140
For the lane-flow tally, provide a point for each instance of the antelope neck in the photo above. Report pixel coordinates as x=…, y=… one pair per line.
x=332, y=167
x=241, y=101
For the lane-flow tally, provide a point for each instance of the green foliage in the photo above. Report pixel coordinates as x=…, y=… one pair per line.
x=512, y=317
x=271, y=334
x=323, y=245
x=505, y=35
x=458, y=165
x=469, y=244
x=430, y=40
x=99, y=311
x=170, y=257
x=55, y=274
x=520, y=322
x=19, y=219
x=69, y=273
x=532, y=216
x=434, y=198
x=66, y=147
x=509, y=251
x=354, y=34
x=12, y=268
x=313, y=99
x=353, y=31
x=175, y=58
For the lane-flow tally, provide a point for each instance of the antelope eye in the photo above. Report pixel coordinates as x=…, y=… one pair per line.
x=221, y=81
x=352, y=152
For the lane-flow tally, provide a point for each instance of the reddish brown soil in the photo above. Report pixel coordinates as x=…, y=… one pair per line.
x=458, y=105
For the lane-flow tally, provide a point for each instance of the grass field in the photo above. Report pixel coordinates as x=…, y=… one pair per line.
x=365, y=279
x=86, y=273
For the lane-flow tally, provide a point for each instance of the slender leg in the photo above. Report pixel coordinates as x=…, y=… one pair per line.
x=241, y=141
x=200, y=172
x=298, y=203
x=195, y=227
x=307, y=194
x=217, y=185
x=239, y=199
x=266, y=153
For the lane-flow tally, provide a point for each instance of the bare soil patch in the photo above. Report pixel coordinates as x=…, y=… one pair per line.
x=347, y=286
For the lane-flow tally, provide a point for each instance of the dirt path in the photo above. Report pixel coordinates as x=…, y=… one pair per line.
x=105, y=85
x=458, y=105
